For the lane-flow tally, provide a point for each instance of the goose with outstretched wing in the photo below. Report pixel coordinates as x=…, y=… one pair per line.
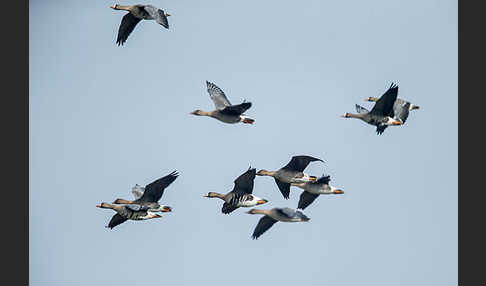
x=135, y=14
x=381, y=115
x=293, y=172
x=274, y=215
x=225, y=111
x=241, y=195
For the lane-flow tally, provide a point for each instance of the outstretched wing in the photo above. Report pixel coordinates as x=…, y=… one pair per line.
x=158, y=15
x=116, y=220
x=138, y=191
x=237, y=110
x=306, y=199
x=402, y=109
x=384, y=105
x=323, y=180
x=217, y=96
x=263, y=225
x=155, y=190
x=127, y=25
x=244, y=183
x=228, y=208
x=380, y=129
x=299, y=163
x=361, y=109
x=284, y=188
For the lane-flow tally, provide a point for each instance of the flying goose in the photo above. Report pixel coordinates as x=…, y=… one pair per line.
x=241, y=195
x=135, y=14
x=291, y=173
x=401, y=108
x=313, y=189
x=224, y=112
x=271, y=216
x=151, y=194
x=130, y=212
x=381, y=115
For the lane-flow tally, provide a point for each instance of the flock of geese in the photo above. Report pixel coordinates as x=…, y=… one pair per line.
x=387, y=111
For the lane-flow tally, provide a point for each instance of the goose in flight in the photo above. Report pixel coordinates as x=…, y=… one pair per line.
x=150, y=195
x=313, y=189
x=293, y=172
x=381, y=115
x=241, y=195
x=401, y=108
x=135, y=14
x=130, y=212
x=225, y=112
x=271, y=216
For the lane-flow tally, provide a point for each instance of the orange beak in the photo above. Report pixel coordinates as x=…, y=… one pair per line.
x=313, y=178
x=166, y=209
x=248, y=121
x=338, y=192
x=397, y=123
x=261, y=202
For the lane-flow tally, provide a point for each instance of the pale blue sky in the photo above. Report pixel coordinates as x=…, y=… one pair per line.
x=103, y=118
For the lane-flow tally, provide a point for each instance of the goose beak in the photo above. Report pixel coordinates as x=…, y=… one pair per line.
x=261, y=202
x=338, y=192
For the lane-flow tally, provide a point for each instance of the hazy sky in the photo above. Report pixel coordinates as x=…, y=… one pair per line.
x=103, y=118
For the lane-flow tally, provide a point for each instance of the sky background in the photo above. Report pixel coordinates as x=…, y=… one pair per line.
x=103, y=118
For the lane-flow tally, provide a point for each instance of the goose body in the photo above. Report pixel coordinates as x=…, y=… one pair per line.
x=135, y=14
x=225, y=111
x=129, y=212
x=312, y=190
x=292, y=173
x=381, y=115
x=241, y=195
x=274, y=215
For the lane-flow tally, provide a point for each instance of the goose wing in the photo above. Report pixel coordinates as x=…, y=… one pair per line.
x=244, y=183
x=306, y=199
x=217, y=96
x=361, y=109
x=158, y=15
x=380, y=129
x=116, y=220
x=384, y=105
x=155, y=190
x=401, y=110
x=284, y=188
x=127, y=25
x=299, y=163
x=237, y=109
x=228, y=208
x=263, y=225
x=323, y=180
x=138, y=191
